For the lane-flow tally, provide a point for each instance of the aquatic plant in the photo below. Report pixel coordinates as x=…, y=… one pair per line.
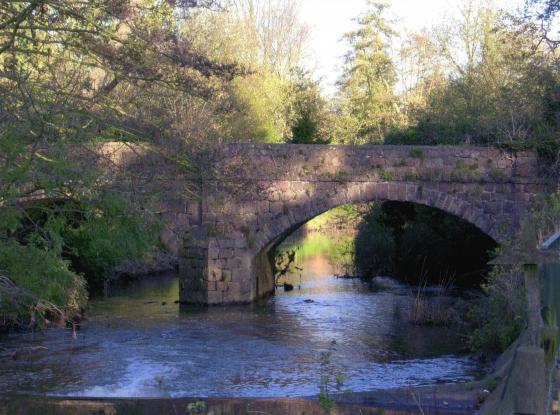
x=331, y=380
x=198, y=408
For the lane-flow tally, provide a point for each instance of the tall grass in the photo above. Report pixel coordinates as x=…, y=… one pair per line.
x=433, y=309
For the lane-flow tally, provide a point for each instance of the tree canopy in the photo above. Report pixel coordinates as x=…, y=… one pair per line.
x=179, y=76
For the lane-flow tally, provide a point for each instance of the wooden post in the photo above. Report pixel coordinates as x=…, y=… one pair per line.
x=532, y=288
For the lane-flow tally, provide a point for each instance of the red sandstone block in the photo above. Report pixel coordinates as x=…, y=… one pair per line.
x=222, y=286
x=276, y=208
x=215, y=297
x=401, y=191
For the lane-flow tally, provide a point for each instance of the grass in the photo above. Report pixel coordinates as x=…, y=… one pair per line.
x=433, y=310
x=386, y=175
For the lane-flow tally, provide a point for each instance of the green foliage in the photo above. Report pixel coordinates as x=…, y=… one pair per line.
x=339, y=215
x=331, y=380
x=339, y=250
x=491, y=382
x=262, y=99
x=418, y=244
x=416, y=153
x=374, y=245
x=367, y=106
x=311, y=122
x=198, y=408
x=106, y=236
x=305, y=129
x=545, y=216
x=482, y=78
x=42, y=278
x=386, y=175
x=273, y=100
x=49, y=250
x=498, y=316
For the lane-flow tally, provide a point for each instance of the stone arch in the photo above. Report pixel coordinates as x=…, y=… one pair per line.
x=271, y=233
x=296, y=216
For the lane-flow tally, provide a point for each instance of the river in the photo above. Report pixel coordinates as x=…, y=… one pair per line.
x=138, y=341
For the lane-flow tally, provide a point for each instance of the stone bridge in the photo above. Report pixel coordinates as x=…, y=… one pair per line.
x=244, y=199
x=261, y=193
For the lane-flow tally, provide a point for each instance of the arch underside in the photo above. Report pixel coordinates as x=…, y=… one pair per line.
x=280, y=227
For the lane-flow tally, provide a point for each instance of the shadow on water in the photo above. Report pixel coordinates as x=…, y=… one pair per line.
x=138, y=342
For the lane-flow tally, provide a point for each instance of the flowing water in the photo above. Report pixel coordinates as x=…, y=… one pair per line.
x=139, y=342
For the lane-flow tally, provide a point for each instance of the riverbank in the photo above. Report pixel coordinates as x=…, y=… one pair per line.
x=445, y=399
x=22, y=310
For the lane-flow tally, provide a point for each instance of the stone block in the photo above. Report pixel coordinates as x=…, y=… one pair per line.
x=215, y=297
x=382, y=191
x=222, y=286
x=225, y=244
x=226, y=253
x=194, y=284
x=234, y=288
x=214, y=274
x=508, y=207
x=194, y=297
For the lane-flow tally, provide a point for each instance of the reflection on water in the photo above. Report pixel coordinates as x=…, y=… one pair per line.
x=139, y=342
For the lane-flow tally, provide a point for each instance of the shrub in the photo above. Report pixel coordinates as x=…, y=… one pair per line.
x=49, y=250
x=105, y=237
x=42, y=283
x=498, y=315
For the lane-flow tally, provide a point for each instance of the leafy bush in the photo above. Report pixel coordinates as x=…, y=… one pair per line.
x=50, y=249
x=42, y=277
x=498, y=316
x=105, y=237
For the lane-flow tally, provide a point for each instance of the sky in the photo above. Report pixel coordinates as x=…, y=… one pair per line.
x=328, y=20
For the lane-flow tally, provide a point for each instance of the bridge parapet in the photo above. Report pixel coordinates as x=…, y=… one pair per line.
x=298, y=162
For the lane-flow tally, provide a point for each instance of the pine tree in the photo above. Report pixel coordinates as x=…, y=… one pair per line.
x=367, y=103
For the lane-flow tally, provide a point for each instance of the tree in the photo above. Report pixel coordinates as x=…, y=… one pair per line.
x=268, y=40
x=74, y=72
x=421, y=71
x=497, y=84
x=274, y=31
x=546, y=12
x=367, y=105
x=310, y=113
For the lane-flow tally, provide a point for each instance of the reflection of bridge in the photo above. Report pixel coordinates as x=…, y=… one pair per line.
x=252, y=196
